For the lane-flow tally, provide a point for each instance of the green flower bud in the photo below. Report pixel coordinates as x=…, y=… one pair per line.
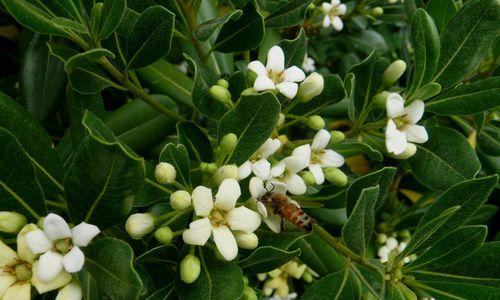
x=377, y=11
x=308, y=177
x=165, y=173
x=220, y=93
x=335, y=176
x=138, y=225
x=180, y=200
x=228, y=143
x=251, y=76
x=245, y=240
x=336, y=137
x=381, y=238
x=315, y=122
x=164, y=235
x=225, y=172
x=380, y=99
x=11, y=222
x=248, y=294
x=190, y=269
x=311, y=87
x=409, y=151
x=281, y=120
x=307, y=276
x=249, y=91
x=209, y=168
x=405, y=234
x=393, y=72
x=23, y=272
x=223, y=83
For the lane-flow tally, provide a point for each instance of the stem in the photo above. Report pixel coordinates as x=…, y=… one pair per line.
x=57, y=204
x=191, y=24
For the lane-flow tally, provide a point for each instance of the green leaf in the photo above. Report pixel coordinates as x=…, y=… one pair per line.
x=489, y=138
x=467, y=99
x=150, y=37
x=467, y=38
x=265, y=259
x=318, y=255
x=218, y=280
x=245, y=33
x=425, y=40
x=203, y=31
x=337, y=285
x=455, y=246
x=162, y=254
x=152, y=192
x=441, y=11
x=111, y=16
x=19, y=188
x=177, y=155
x=109, y=261
x=68, y=8
x=295, y=50
x=350, y=148
x=290, y=14
x=42, y=79
x=427, y=91
x=66, y=24
x=165, y=293
x=92, y=55
x=482, y=215
x=103, y=177
x=439, y=166
x=196, y=142
x=252, y=120
x=357, y=232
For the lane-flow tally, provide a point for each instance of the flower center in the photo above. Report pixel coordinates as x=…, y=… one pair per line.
x=401, y=121
x=23, y=272
x=64, y=245
x=316, y=156
x=275, y=76
x=218, y=217
x=335, y=11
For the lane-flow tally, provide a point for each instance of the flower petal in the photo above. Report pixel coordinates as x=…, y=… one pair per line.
x=42, y=287
x=341, y=9
x=71, y=291
x=50, y=265
x=296, y=184
x=295, y=164
x=257, y=67
x=73, y=260
x=256, y=187
x=278, y=169
x=55, y=227
x=394, y=105
x=276, y=187
x=416, y=134
x=245, y=170
x=320, y=140
x=20, y=291
x=326, y=21
x=225, y=242
x=326, y=7
x=275, y=60
x=303, y=151
x=227, y=195
x=332, y=159
x=263, y=83
x=7, y=256
x=38, y=242
x=395, y=140
x=317, y=172
x=337, y=23
x=335, y=3
x=269, y=147
x=288, y=89
x=83, y=233
x=262, y=209
x=243, y=219
x=23, y=251
x=273, y=222
x=414, y=111
x=293, y=74
x=262, y=168
x=6, y=280
x=202, y=201
x=198, y=233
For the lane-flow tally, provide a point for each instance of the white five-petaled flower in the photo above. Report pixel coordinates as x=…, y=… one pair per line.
x=391, y=246
x=220, y=218
x=332, y=11
x=318, y=157
x=60, y=246
x=309, y=65
x=286, y=172
x=258, y=163
x=274, y=76
x=401, y=126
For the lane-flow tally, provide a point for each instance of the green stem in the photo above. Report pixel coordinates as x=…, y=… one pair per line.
x=57, y=204
x=190, y=19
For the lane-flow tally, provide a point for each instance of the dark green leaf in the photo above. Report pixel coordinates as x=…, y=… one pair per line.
x=165, y=293
x=319, y=255
x=111, y=16
x=489, y=139
x=290, y=14
x=349, y=148
x=441, y=11
x=92, y=55
x=265, y=259
x=179, y=158
x=206, y=29
x=66, y=24
x=337, y=285
x=196, y=142
x=295, y=50
x=161, y=254
x=483, y=214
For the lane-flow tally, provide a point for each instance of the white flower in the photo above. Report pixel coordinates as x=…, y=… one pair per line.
x=392, y=246
x=60, y=246
x=183, y=67
x=286, y=172
x=274, y=76
x=401, y=126
x=309, y=65
x=332, y=12
x=258, y=163
x=318, y=157
x=219, y=218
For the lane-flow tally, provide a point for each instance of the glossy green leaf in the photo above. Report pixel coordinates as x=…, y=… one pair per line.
x=179, y=158
x=196, y=142
x=203, y=31
x=482, y=215
x=111, y=16
x=290, y=14
x=84, y=57
x=265, y=259
x=150, y=37
x=66, y=24
x=152, y=192
x=252, y=120
x=165, y=293
x=439, y=166
x=160, y=254
x=67, y=8
x=441, y=11
x=295, y=50
x=318, y=255
x=348, y=149
x=337, y=285
x=427, y=91
x=489, y=139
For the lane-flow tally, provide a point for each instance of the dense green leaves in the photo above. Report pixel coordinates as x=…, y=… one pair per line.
x=337, y=285
x=295, y=50
x=292, y=13
x=179, y=158
x=333, y=92
x=111, y=16
x=196, y=142
x=489, y=139
x=266, y=259
x=206, y=29
x=441, y=11
x=85, y=57
x=348, y=149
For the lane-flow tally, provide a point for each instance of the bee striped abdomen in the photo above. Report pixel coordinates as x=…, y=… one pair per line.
x=298, y=217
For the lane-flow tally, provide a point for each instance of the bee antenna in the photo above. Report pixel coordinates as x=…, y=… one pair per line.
x=272, y=189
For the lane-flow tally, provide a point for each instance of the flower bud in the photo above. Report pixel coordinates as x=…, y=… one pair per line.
x=248, y=294
x=251, y=76
x=164, y=235
x=223, y=83
x=381, y=238
x=225, y=172
x=71, y=291
x=138, y=225
x=308, y=177
x=190, y=269
x=245, y=240
x=11, y=222
x=283, y=140
x=393, y=72
x=335, y=176
x=377, y=11
x=380, y=99
x=405, y=234
x=409, y=151
x=249, y=91
x=311, y=87
x=220, y=93
x=336, y=137
x=315, y=122
x=165, y=173
x=228, y=143
x=307, y=276
x=180, y=200
x=209, y=168
x=281, y=120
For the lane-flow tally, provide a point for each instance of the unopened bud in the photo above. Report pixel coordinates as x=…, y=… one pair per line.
x=380, y=99
x=164, y=235
x=311, y=87
x=245, y=240
x=249, y=91
x=71, y=291
x=225, y=172
x=405, y=234
x=251, y=76
x=409, y=151
x=248, y=294
x=283, y=140
x=165, y=173
x=307, y=276
x=308, y=177
x=377, y=11
x=315, y=122
x=228, y=143
x=335, y=176
x=223, y=83
x=381, y=238
x=281, y=120
x=180, y=200
x=336, y=137
x=190, y=269
x=138, y=225
x=209, y=168
x=220, y=93
x=392, y=1
x=393, y=72
x=11, y=222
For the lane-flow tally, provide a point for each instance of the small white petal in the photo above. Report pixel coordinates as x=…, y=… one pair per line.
x=243, y=219
x=326, y=21
x=416, y=134
x=331, y=159
x=257, y=67
x=55, y=227
x=303, y=151
x=73, y=260
x=337, y=23
x=317, y=172
x=245, y=170
x=383, y=252
x=6, y=281
x=38, y=242
x=198, y=233
x=341, y=9
x=83, y=233
x=263, y=83
x=262, y=209
x=414, y=111
x=273, y=222
x=395, y=140
x=321, y=139
x=269, y=147
x=296, y=184
x=71, y=291
x=335, y=3
x=227, y=195
x=293, y=74
x=394, y=105
x=21, y=291
x=402, y=246
x=392, y=243
x=262, y=168
x=49, y=266
x=275, y=60
x=326, y=7
x=225, y=242
x=288, y=89
x=256, y=187
x=277, y=170
x=42, y=287
x=202, y=201
x=276, y=187
x=295, y=164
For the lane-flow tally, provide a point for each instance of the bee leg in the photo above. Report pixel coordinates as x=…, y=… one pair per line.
x=282, y=224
